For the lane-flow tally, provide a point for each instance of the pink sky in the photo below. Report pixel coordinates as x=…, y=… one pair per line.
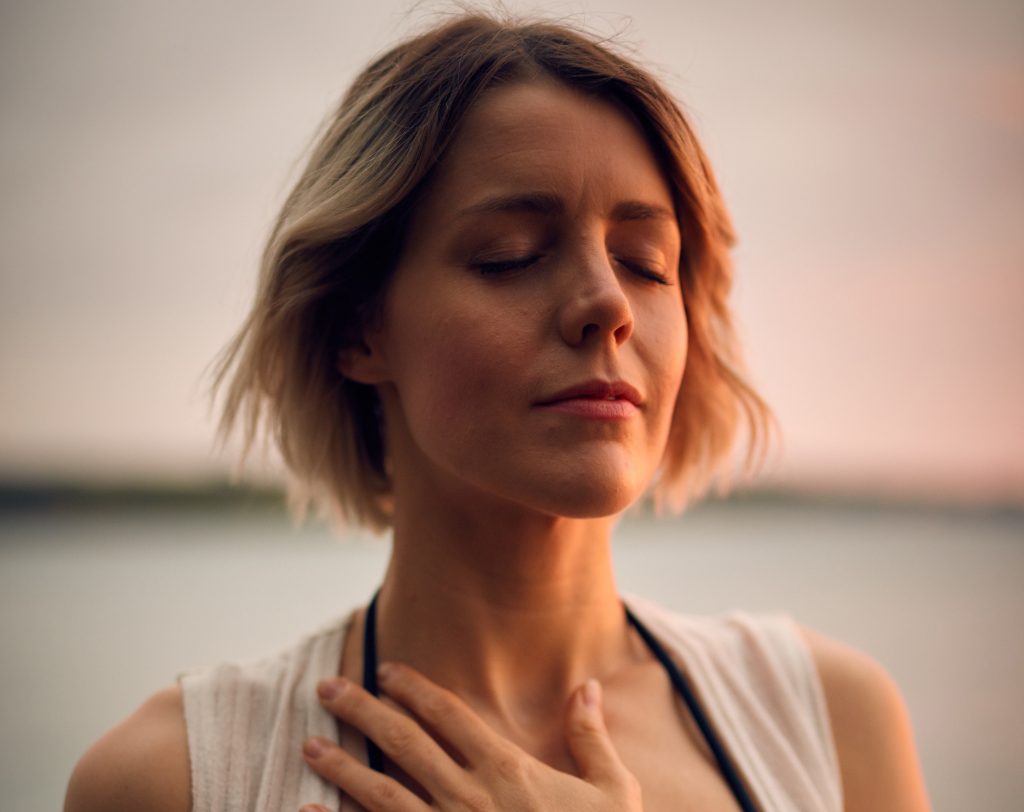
x=873, y=159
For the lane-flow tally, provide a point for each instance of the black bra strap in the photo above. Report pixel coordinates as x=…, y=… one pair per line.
x=375, y=757
x=682, y=687
x=373, y=753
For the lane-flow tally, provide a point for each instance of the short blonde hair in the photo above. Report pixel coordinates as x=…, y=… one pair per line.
x=337, y=239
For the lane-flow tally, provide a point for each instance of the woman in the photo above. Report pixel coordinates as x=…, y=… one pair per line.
x=492, y=313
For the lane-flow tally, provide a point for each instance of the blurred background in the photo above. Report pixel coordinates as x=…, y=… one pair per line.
x=873, y=158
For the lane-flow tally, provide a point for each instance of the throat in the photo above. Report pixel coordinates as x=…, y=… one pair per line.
x=516, y=666
x=512, y=616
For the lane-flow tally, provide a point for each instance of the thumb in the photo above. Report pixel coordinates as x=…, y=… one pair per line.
x=587, y=736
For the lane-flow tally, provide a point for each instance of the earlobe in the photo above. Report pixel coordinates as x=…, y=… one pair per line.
x=362, y=363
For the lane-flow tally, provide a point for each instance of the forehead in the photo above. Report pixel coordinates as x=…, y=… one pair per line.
x=540, y=136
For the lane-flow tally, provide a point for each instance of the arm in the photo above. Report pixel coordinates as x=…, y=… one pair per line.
x=143, y=763
x=871, y=727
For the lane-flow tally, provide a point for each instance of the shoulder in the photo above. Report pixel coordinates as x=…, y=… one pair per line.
x=871, y=728
x=143, y=763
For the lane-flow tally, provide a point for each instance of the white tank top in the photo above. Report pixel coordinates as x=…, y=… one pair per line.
x=752, y=674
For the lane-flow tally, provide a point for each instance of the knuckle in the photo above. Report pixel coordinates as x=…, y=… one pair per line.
x=589, y=727
x=510, y=768
x=438, y=707
x=477, y=800
x=396, y=737
x=383, y=794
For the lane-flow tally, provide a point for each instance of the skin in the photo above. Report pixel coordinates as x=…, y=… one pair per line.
x=505, y=507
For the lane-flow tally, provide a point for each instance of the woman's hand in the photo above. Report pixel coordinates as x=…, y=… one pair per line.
x=496, y=776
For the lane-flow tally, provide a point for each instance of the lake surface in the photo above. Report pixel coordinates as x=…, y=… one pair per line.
x=100, y=609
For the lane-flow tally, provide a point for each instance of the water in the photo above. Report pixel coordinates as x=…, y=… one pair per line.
x=97, y=611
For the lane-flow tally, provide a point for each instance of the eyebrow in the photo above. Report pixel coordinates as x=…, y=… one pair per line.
x=637, y=210
x=545, y=203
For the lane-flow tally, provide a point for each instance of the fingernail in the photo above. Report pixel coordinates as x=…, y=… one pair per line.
x=384, y=672
x=314, y=748
x=592, y=693
x=330, y=688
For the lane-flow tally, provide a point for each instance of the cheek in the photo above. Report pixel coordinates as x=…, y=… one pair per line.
x=681, y=342
x=456, y=370
x=665, y=358
x=667, y=343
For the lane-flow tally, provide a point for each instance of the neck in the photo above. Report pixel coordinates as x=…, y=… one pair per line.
x=511, y=615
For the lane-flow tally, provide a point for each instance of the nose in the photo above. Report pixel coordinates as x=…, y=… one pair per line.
x=595, y=306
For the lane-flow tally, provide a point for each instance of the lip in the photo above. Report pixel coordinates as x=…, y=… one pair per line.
x=597, y=390
x=609, y=392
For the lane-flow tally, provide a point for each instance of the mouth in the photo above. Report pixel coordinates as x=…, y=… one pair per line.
x=597, y=390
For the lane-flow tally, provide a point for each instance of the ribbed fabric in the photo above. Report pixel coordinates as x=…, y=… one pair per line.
x=752, y=674
x=755, y=679
x=246, y=724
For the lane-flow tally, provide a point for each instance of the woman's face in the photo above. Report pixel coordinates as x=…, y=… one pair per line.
x=543, y=256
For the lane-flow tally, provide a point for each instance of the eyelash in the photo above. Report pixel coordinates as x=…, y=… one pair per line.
x=506, y=265
x=520, y=263
x=646, y=273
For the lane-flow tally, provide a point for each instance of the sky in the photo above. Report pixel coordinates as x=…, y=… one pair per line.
x=871, y=153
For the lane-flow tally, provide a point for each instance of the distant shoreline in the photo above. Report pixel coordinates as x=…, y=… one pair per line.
x=21, y=497
x=222, y=496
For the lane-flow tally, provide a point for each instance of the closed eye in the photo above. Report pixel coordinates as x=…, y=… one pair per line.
x=506, y=265
x=644, y=271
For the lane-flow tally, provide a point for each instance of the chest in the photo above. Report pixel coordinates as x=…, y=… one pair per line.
x=675, y=773
x=659, y=742
x=651, y=727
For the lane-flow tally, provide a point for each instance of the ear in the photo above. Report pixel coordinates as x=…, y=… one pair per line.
x=363, y=362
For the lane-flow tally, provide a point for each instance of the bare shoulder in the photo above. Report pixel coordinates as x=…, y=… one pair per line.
x=143, y=763
x=871, y=727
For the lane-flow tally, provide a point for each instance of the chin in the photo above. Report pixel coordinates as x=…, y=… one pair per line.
x=589, y=498
x=591, y=488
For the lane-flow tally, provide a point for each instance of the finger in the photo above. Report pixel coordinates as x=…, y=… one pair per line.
x=372, y=790
x=403, y=741
x=588, y=739
x=442, y=711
